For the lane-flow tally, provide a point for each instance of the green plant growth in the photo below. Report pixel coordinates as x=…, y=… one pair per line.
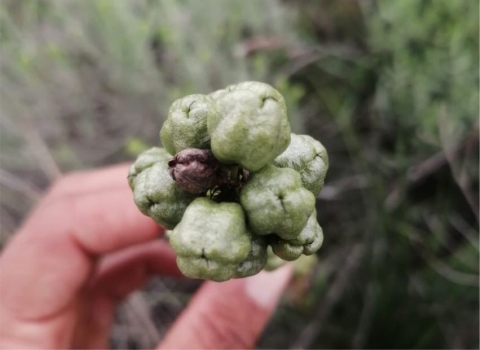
x=218, y=189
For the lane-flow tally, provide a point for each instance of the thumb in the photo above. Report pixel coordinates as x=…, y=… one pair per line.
x=228, y=315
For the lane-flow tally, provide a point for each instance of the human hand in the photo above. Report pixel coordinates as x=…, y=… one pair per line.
x=85, y=247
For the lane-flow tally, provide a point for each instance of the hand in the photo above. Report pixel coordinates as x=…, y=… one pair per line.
x=85, y=247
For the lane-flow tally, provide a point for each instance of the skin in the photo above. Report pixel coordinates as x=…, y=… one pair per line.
x=63, y=272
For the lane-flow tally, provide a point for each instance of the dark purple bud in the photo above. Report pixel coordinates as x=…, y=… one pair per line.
x=195, y=170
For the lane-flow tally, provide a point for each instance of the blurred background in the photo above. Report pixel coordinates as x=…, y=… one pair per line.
x=389, y=87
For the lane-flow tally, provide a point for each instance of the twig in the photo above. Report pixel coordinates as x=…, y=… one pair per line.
x=435, y=263
x=334, y=190
x=451, y=155
x=446, y=271
x=260, y=43
x=427, y=167
x=417, y=173
x=464, y=228
x=312, y=55
x=365, y=318
x=332, y=297
x=139, y=310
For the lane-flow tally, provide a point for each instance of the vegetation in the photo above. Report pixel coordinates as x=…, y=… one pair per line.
x=389, y=87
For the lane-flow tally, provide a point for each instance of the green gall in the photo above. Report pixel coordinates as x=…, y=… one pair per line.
x=307, y=156
x=186, y=125
x=275, y=201
x=251, y=128
x=256, y=259
x=308, y=242
x=234, y=189
x=211, y=240
x=146, y=160
x=218, y=93
x=157, y=195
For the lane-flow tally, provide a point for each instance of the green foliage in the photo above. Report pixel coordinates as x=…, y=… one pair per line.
x=428, y=52
x=251, y=128
x=403, y=224
x=99, y=72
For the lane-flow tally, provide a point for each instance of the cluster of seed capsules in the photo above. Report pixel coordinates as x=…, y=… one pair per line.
x=231, y=181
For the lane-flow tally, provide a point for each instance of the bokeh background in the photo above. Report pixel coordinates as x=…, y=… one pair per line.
x=389, y=87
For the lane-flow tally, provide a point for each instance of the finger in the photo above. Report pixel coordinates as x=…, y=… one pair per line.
x=229, y=315
x=117, y=276
x=121, y=273
x=58, y=244
x=96, y=209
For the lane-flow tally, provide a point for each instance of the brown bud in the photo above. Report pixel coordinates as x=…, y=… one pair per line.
x=195, y=170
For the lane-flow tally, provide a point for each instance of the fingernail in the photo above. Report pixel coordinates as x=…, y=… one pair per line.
x=267, y=287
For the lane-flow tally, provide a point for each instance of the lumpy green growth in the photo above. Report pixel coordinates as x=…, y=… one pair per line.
x=233, y=187
x=307, y=156
x=251, y=127
x=157, y=195
x=211, y=240
x=307, y=242
x=186, y=126
x=256, y=259
x=276, y=202
x=146, y=160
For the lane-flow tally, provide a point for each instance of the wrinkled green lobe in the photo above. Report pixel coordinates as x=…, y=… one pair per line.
x=256, y=259
x=307, y=156
x=211, y=240
x=308, y=242
x=145, y=160
x=186, y=125
x=251, y=127
x=276, y=202
x=157, y=195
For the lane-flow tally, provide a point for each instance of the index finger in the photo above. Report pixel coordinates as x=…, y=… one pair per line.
x=85, y=215
x=96, y=208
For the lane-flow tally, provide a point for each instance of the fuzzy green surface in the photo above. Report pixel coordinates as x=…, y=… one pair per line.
x=307, y=156
x=256, y=259
x=275, y=201
x=146, y=160
x=251, y=127
x=211, y=240
x=218, y=93
x=157, y=195
x=308, y=241
x=186, y=126
x=263, y=90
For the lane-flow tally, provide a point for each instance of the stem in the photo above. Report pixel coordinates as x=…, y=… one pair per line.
x=233, y=173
